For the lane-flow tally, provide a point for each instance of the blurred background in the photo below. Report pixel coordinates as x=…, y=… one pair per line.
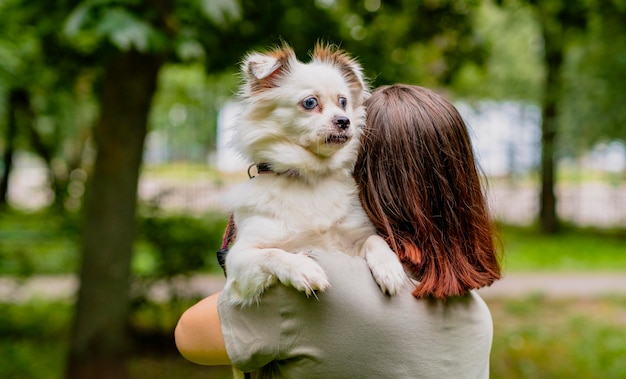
x=114, y=122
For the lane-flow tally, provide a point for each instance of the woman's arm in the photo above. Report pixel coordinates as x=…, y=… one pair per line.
x=199, y=334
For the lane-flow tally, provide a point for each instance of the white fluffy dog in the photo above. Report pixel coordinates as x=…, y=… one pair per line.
x=300, y=125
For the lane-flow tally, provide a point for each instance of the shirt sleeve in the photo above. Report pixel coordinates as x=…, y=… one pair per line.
x=252, y=333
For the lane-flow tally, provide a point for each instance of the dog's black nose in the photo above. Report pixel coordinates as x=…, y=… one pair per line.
x=342, y=122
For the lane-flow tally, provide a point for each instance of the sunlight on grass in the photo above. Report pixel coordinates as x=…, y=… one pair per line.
x=571, y=250
x=182, y=170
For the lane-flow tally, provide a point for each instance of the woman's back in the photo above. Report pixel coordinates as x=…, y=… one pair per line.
x=355, y=331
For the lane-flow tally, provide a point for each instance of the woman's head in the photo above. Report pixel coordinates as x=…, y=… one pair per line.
x=419, y=184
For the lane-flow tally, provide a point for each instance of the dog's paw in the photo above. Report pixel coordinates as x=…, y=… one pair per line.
x=384, y=265
x=390, y=276
x=302, y=272
x=246, y=289
x=246, y=283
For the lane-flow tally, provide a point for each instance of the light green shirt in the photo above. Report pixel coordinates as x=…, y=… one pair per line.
x=353, y=330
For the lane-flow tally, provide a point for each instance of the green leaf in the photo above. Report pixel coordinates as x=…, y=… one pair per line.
x=77, y=19
x=189, y=50
x=221, y=12
x=124, y=30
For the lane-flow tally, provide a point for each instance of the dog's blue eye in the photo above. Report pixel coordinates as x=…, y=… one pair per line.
x=343, y=102
x=309, y=103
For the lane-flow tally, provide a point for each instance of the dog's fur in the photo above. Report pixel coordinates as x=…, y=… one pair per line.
x=309, y=202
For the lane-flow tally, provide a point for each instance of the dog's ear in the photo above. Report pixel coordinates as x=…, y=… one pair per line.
x=261, y=71
x=350, y=69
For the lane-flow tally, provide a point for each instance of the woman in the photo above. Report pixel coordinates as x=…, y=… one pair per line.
x=419, y=184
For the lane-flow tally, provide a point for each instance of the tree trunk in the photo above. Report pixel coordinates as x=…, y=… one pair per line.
x=99, y=343
x=553, y=58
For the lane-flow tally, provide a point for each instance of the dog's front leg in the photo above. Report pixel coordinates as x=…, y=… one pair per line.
x=251, y=271
x=384, y=264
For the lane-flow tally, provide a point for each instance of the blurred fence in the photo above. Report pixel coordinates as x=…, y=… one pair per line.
x=585, y=204
x=600, y=203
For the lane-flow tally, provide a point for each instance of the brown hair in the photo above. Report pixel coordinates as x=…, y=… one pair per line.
x=419, y=185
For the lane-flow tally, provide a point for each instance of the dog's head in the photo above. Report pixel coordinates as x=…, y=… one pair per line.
x=306, y=117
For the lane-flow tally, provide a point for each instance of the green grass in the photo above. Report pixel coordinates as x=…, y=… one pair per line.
x=565, y=175
x=572, y=250
x=534, y=338
x=33, y=340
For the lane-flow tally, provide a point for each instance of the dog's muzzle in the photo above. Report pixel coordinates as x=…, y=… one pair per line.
x=337, y=139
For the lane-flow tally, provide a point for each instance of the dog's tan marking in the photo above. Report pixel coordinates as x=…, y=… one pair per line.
x=349, y=67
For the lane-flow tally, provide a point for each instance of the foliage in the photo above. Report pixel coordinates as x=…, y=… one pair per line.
x=57, y=85
x=595, y=77
x=43, y=243
x=513, y=68
x=420, y=42
x=183, y=244
x=185, y=112
x=47, y=243
x=592, y=36
x=560, y=23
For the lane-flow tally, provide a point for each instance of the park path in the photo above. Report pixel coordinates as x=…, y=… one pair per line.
x=514, y=286
x=558, y=285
